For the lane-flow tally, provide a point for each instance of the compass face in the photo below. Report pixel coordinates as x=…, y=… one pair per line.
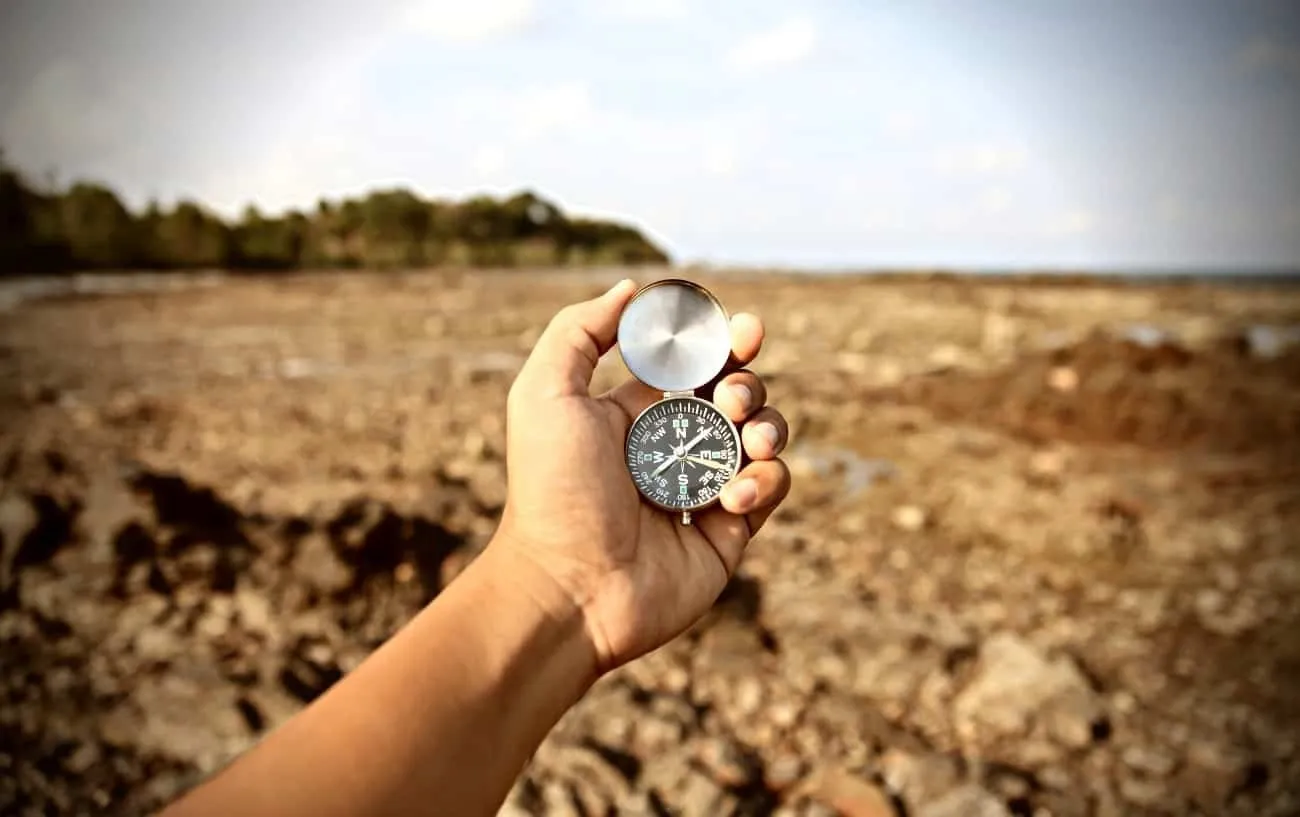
x=681, y=451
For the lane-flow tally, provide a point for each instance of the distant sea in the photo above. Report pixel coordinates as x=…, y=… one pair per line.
x=16, y=290
x=1226, y=275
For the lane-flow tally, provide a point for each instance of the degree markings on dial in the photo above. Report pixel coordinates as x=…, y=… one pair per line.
x=669, y=427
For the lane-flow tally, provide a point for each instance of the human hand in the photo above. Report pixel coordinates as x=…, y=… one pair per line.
x=637, y=576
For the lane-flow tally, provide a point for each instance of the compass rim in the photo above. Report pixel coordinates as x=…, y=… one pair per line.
x=735, y=433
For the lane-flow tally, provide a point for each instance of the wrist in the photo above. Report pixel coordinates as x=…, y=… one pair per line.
x=515, y=577
x=564, y=582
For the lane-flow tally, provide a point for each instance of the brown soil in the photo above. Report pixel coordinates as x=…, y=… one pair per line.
x=1038, y=559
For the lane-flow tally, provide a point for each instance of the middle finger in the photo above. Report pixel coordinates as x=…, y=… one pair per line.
x=739, y=395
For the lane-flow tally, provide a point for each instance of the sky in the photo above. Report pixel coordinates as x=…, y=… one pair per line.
x=825, y=133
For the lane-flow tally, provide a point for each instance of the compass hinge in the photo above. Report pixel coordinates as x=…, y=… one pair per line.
x=668, y=395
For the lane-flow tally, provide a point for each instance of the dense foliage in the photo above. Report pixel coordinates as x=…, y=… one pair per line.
x=86, y=227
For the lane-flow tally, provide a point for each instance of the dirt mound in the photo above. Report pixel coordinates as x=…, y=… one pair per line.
x=1107, y=390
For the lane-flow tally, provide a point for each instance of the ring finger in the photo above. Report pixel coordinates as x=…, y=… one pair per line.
x=765, y=435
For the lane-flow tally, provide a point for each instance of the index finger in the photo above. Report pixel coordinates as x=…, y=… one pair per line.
x=747, y=333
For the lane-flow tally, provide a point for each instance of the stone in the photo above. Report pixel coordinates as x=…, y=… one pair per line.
x=317, y=565
x=784, y=770
x=1047, y=464
x=215, y=621
x=700, y=795
x=654, y=732
x=909, y=518
x=919, y=778
x=850, y=795
x=1214, y=770
x=559, y=799
x=156, y=644
x=1055, y=777
x=852, y=363
x=677, y=679
x=1149, y=760
x=728, y=762
x=1124, y=702
x=253, y=610
x=598, y=784
x=1063, y=379
x=684, y=788
x=946, y=356
x=749, y=695
x=968, y=800
x=1016, y=685
x=109, y=507
x=86, y=755
x=641, y=803
x=1143, y=791
x=783, y=713
x=17, y=519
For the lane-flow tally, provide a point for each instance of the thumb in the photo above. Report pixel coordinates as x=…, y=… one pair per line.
x=565, y=356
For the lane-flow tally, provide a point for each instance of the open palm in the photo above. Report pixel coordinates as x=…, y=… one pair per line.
x=639, y=575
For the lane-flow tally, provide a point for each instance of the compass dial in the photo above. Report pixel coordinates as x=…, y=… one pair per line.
x=681, y=451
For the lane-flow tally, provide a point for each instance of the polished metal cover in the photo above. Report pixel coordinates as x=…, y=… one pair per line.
x=674, y=335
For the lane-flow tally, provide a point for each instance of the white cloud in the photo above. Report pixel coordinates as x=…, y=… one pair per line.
x=648, y=9
x=901, y=123
x=66, y=117
x=1075, y=221
x=995, y=200
x=1171, y=208
x=976, y=160
x=720, y=160
x=553, y=108
x=789, y=43
x=489, y=160
x=469, y=21
x=529, y=114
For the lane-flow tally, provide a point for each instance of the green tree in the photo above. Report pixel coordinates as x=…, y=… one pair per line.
x=88, y=227
x=190, y=237
x=98, y=230
x=269, y=243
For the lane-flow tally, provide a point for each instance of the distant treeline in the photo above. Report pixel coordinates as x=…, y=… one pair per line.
x=86, y=227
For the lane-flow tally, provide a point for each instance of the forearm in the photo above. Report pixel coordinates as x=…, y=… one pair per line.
x=439, y=720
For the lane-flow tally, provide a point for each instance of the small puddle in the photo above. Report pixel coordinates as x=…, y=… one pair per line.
x=1147, y=335
x=303, y=368
x=16, y=292
x=1269, y=341
x=857, y=473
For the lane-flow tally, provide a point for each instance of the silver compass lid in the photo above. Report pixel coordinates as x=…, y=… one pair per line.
x=674, y=335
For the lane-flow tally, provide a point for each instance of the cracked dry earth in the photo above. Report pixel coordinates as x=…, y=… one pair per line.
x=1040, y=559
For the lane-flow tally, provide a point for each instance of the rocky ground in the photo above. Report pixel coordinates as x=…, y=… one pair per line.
x=1040, y=559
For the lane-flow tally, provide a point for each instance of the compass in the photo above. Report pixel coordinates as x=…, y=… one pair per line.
x=675, y=337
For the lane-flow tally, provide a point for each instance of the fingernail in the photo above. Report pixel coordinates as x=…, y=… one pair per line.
x=743, y=394
x=768, y=432
x=619, y=287
x=744, y=493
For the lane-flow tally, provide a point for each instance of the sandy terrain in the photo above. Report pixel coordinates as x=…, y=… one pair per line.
x=1040, y=559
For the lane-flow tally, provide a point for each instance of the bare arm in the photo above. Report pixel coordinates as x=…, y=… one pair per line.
x=439, y=720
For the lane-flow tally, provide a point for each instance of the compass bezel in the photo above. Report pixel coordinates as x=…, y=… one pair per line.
x=733, y=467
